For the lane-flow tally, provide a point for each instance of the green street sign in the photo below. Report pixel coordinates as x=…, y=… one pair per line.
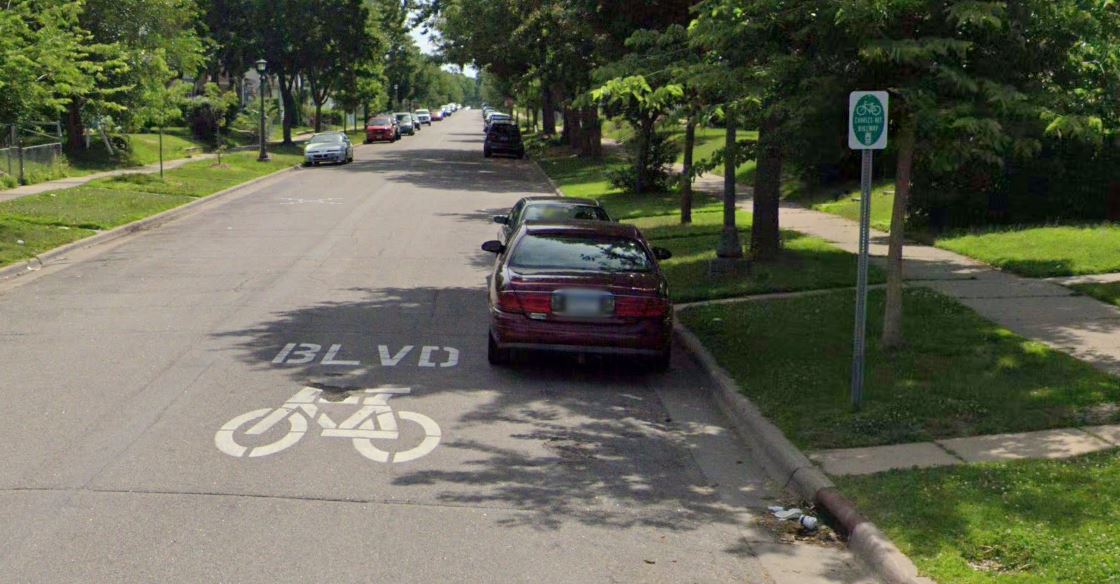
x=867, y=120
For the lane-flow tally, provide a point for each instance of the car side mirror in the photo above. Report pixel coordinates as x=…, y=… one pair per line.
x=502, y=219
x=493, y=246
x=661, y=253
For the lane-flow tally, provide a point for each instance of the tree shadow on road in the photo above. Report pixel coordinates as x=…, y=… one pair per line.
x=555, y=439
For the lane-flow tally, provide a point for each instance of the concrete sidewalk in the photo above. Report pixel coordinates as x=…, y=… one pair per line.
x=77, y=181
x=1045, y=444
x=1042, y=310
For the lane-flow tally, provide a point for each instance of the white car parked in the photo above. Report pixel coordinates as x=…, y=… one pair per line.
x=425, y=116
x=328, y=147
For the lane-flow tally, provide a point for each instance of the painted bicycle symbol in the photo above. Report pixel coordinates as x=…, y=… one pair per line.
x=375, y=420
x=868, y=108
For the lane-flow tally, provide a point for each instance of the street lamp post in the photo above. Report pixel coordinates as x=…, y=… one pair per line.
x=262, y=66
x=396, y=98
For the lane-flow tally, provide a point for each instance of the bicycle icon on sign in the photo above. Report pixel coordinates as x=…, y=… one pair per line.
x=868, y=108
x=374, y=420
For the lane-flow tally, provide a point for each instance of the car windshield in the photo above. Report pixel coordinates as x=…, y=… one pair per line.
x=380, y=122
x=326, y=139
x=598, y=254
x=404, y=117
x=495, y=117
x=421, y=112
x=561, y=212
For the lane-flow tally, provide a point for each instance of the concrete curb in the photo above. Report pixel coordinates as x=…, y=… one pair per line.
x=21, y=269
x=794, y=470
x=797, y=473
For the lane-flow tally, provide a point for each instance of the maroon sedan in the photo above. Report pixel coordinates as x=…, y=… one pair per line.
x=381, y=129
x=582, y=286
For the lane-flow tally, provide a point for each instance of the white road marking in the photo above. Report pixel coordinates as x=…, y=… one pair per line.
x=283, y=354
x=426, y=356
x=374, y=420
x=321, y=201
x=386, y=360
x=329, y=359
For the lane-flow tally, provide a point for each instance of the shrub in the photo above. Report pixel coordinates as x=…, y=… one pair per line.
x=655, y=173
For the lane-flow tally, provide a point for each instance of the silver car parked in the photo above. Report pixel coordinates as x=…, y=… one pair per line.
x=328, y=147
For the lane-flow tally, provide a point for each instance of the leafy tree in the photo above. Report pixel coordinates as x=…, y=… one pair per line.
x=337, y=41
x=43, y=59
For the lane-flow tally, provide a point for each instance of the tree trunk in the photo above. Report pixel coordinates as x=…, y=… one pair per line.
x=892, y=315
x=765, y=230
x=641, y=163
x=75, y=129
x=729, y=245
x=592, y=146
x=319, y=116
x=548, y=112
x=534, y=119
x=289, y=107
x=686, y=171
x=571, y=127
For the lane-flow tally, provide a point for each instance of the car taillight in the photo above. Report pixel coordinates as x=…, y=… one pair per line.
x=640, y=307
x=525, y=302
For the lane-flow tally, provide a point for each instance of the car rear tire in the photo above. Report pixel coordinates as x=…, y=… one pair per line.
x=494, y=354
x=487, y=153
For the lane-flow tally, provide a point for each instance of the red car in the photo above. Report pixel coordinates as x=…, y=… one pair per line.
x=580, y=286
x=382, y=129
x=437, y=115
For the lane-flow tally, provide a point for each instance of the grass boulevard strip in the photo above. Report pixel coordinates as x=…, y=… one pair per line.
x=960, y=375
x=35, y=224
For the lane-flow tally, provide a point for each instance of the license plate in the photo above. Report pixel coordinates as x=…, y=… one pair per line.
x=593, y=304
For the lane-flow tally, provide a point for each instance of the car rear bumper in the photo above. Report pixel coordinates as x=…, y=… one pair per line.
x=377, y=136
x=648, y=336
x=499, y=148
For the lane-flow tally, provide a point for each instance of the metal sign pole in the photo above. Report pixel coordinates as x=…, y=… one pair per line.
x=868, y=121
x=860, y=337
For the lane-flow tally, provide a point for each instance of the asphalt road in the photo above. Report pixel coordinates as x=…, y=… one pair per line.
x=157, y=428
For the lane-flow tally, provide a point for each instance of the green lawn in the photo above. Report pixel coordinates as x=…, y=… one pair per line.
x=177, y=143
x=882, y=203
x=806, y=263
x=959, y=374
x=1109, y=293
x=1023, y=522
x=1044, y=251
x=708, y=140
x=44, y=221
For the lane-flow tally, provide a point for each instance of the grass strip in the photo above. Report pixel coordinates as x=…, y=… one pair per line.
x=47, y=220
x=1038, y=252
x=1109, y=292
x=958, y=375
x=1022, y=522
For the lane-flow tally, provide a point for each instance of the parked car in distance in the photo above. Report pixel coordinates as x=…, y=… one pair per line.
x=497, y=118
x=328, y=147
x=583, y=287
x=382, y=129
x=548, y=209
x=416, y=123
x=404, y=120
x=424, y=116
x=437, y=116
x=503, y=138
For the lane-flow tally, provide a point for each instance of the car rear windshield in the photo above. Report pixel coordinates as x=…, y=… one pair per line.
x=325, y=139
x=505, y=130
x=379, y=122
x=598, y=254
x=562, y=212
x=404, y=117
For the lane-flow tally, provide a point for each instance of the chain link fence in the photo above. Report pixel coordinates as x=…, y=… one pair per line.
x=30, y=153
